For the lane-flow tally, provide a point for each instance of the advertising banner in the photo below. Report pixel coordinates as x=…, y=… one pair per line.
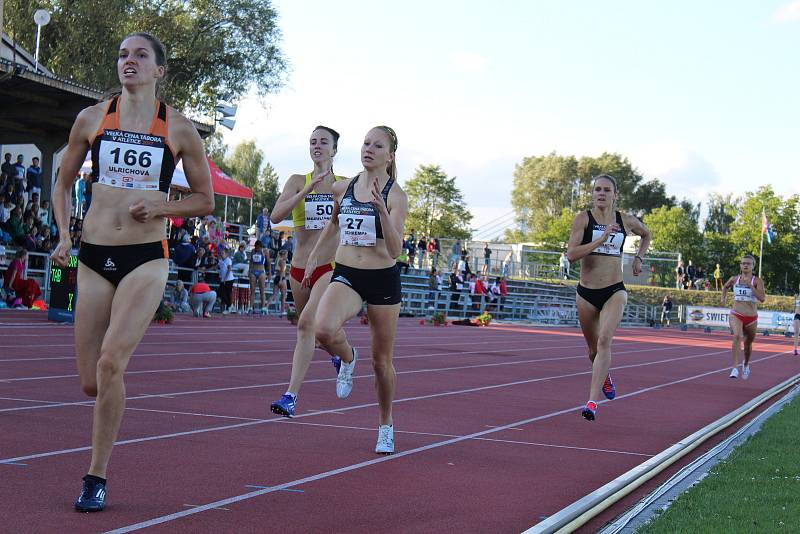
x=718, y=317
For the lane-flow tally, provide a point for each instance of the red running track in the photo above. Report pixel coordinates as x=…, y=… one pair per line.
x=488, y=431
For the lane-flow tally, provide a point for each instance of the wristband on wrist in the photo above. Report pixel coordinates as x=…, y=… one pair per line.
x=639, y=257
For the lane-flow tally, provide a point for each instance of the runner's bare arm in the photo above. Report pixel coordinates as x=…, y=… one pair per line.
x=759, y=291
x=201, y=201
x=293, y=192
x=393, y=219
x=74, y=155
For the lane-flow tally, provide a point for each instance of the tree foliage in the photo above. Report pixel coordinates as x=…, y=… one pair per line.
x=246, y=165
x=436, y=206
x=674, y=230
x=216, y=49
x=722, y=210
x=546, y=185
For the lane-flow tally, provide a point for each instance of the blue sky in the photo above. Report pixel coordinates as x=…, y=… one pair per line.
x=702, y=95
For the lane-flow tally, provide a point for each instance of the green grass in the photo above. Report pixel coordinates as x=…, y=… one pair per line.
x=755, y=489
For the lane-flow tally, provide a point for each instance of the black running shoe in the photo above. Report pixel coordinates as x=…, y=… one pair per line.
x=92, y=497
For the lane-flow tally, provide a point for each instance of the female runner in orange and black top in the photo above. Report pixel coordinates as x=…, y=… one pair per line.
x=597, y=239
x=748, y=290
x=135, y=142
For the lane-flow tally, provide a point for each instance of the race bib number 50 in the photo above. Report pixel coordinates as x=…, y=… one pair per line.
x=318, y=210
x=357, y=230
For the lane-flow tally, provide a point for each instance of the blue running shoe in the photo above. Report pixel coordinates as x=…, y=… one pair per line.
x=609, y=389
x=337, y=363
x=92, y=497
x=284, y=406
x=589, y=411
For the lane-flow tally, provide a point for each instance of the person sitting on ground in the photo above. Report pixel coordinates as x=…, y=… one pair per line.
x=178, y=298
x=202, y=298
x=26, y=289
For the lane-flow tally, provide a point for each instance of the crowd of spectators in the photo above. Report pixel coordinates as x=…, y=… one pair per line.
x=24, y=218
x=691, y=276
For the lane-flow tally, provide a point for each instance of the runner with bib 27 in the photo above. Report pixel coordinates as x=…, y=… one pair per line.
x=369, y=213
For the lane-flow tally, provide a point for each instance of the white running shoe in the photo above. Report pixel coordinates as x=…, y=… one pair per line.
x=344, y=382
x=745, y=372
x=734, y=372
x=385, y=443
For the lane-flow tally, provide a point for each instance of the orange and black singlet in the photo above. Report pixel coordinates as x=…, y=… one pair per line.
x=133, y=160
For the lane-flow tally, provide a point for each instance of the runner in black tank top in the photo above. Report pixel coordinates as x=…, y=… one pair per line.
x=369, y=215
x=122, y=270
x=597, y=239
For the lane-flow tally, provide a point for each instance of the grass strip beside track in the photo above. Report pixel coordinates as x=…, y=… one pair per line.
x=754, y=490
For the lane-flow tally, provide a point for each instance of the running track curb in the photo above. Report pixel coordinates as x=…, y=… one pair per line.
x=575, y=515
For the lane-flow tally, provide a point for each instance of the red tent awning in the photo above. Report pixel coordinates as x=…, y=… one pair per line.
x=225, y=185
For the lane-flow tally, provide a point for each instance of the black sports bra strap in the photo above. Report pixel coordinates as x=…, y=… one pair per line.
x=162, y=111
x=112, y=108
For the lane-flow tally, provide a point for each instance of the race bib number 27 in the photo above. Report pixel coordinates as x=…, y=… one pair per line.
x=357, y=230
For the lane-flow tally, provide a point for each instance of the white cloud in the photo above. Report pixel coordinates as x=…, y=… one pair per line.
x=686, y=173
x=468, y=61
x=787, y=13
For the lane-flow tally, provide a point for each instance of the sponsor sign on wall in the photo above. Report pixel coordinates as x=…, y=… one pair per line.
x=706, y=316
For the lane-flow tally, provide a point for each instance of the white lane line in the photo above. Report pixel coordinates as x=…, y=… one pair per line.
x=319, y=380
x=492, y=440
x=396, y=456
x=351, y=408
x=28, y=400
x=217, y=508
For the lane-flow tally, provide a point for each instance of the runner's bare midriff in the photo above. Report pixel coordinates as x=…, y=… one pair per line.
x=304, y=242
x=109, y=222
x=598, y=272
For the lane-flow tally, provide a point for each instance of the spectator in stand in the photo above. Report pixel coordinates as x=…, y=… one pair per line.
x=487, y=258
x=32, y=239
x=5, y=209
x=691, y=275
x=422, y=250
x=204, y=261
x=240, y=260
x=411, y=246
x=226, y=280
x=564, y=265
x=202, y=298
x=263, y=226
x=87, y=193
x=184, y=257
x=14, y=227
x=434, y=281
x=680, y=274
x=4, y=181
x=503, y=288
x=275, y=245
x=456, y=285
x=34, y=177
x=288, y=246
x=402, y=261
x=435, y=250
x=455, y=254
x=492, y=294
x=19, y=174
x=478, y=290
x=7, y=167
x=178, y=298
x=666, y=308
x=215, y=237
x=25, y=289
x=44, y=212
